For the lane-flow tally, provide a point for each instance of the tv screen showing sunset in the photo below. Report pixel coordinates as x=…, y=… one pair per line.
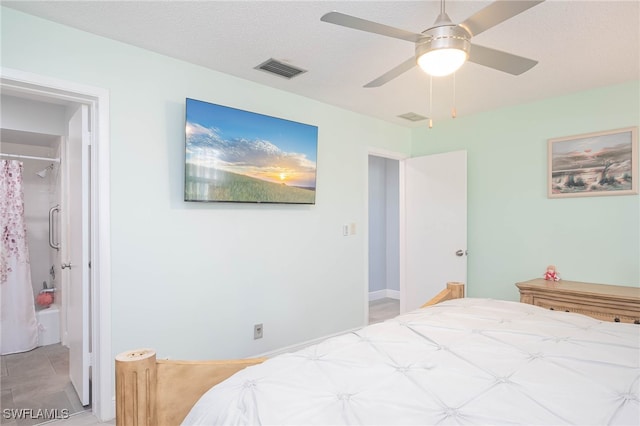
x=233, y=155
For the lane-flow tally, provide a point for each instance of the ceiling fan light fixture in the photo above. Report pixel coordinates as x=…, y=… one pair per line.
x=443, y=50
x=442, y=62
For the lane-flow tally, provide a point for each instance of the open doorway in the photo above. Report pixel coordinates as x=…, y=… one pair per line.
x=384, y=238
x=431, y=230
x=43, y=92
x=58, y=241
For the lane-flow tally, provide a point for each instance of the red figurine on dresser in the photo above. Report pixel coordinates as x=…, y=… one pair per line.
x=551, y=274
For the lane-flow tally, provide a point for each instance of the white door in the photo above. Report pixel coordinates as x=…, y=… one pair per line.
x=434, y=232
x=76, y=255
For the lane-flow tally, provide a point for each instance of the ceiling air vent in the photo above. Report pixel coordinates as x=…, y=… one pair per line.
x=280, y=68
x=412, y=116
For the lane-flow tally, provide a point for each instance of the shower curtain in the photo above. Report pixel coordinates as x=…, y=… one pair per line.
x=18, y=316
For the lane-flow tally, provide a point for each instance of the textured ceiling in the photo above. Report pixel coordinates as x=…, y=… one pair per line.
x=579, y=45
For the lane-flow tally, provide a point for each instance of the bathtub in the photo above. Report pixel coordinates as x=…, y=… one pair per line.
x=48, y=325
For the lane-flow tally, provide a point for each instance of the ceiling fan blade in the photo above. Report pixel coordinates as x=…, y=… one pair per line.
x=495, y=13
x=499, y=60
x=369, y=26
x=393, y=73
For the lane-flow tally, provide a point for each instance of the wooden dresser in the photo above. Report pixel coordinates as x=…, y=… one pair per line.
x=600, y=301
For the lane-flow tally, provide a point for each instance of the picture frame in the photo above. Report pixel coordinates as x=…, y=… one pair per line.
x=593, y=164
x=238, y=156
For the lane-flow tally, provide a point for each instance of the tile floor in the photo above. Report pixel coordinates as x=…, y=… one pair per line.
x=383, y=309
x=84, y=418
x=36, y=380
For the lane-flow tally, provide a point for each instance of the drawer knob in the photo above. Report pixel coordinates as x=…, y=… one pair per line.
x=552, y=309
x=636, y=322
x=616, y=319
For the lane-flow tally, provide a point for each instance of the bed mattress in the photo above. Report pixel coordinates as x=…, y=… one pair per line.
x=464, y=361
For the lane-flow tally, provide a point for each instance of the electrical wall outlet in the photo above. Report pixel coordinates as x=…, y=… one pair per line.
x=257, y=331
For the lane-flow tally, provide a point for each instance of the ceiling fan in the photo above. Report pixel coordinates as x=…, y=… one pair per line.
x=442, y=48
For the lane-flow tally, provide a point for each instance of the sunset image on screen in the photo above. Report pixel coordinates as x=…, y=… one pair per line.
x=239, y=156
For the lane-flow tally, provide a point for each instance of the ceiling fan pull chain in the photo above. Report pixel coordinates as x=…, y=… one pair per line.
x=430, y=111
x=454, y=112
x=430, y=101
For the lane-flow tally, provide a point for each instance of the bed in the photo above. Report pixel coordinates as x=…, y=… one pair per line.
x=455, y=361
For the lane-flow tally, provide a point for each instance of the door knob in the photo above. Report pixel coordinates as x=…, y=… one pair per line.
x=66, y=265
x=461, y=253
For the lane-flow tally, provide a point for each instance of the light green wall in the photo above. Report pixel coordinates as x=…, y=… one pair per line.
x=514, y=230
x=191, y=280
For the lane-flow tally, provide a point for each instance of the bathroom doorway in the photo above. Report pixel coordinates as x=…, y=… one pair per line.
x=93, y=166
x=57, y=238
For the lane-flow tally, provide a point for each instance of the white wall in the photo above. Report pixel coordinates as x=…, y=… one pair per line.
x=377, y=225
x=191, y=280
x=32, y=116
x=384, y=225
x=393, y=224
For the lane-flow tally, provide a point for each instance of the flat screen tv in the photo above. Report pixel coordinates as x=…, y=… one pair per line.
x=239, y=156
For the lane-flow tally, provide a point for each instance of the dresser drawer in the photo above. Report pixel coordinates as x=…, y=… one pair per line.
x=600, y=301
x=595, y=311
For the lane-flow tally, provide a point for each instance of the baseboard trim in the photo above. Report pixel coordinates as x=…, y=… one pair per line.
x=302, y=345
x=373, y=295
x=385, y=293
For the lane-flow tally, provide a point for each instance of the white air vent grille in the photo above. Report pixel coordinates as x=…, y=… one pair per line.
x=280, y=68
x=412, y=116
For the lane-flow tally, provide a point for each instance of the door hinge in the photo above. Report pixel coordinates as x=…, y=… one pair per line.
x=91, y=359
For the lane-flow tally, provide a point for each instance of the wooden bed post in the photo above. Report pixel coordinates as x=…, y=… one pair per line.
x=152, y=392
x=457, y=290
x=136, y=381
x=454, y=290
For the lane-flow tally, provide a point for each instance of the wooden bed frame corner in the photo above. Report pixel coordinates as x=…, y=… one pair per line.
x=454, y=290
x=154, y=392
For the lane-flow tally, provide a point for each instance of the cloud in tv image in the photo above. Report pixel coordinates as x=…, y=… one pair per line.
x=233, y=155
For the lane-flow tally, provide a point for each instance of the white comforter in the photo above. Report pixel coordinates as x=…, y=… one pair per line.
x=465, y=361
